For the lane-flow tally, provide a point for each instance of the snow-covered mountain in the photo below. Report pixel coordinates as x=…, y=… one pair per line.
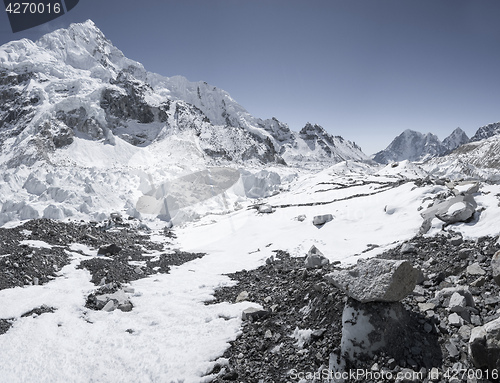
x=411, y=145
x=86, y=131
x=457, y=138
x=74, y=83
x=486, y=131
x=475, y=160
x=415, y=146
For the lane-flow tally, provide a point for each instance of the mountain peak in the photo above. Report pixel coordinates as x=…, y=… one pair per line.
x=411, y=145
x=84, y=46
x=457, y=138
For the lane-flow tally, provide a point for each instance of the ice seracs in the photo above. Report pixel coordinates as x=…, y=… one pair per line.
x=77, y=115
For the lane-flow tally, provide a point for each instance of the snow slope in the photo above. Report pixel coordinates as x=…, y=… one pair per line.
x=475, y=160
x=175, y=337
x=85, y=131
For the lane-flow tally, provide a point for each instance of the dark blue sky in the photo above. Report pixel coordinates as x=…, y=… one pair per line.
x=363, y=69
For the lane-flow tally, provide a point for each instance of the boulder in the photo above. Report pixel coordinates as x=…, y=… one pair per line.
x=457, y=303
x=370, y=327
x=376, y=280
x=456, y=240
x=448, y=292
x=243, y=296
x=495, y=267
x=484, y=345
x=315, y=258
x=109, y=249
x=475, y=269
x=253, y=314
x=408, y=248
x=322, y=219
x=265, y=209
x=458, y=209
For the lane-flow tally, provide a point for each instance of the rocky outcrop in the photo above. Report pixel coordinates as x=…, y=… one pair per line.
x=486, y=131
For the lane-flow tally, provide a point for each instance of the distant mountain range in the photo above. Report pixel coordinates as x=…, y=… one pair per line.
x=415, y=146
x=74, y=83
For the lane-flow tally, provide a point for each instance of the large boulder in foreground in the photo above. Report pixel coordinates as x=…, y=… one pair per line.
x=376, y=280
x=458, y=209
x=372, y=327
x=484, y=345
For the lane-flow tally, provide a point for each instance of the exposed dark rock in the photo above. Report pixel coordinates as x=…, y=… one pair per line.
x=109, y=249
x=429, y=345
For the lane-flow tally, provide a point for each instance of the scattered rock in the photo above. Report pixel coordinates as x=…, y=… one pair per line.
x=408, y=248
x=455, y=320
x=322, y=219
x=265, y=209
x=109, y=249
x=243, y=296
x=315, y=258
x=475, y=269
x=254, y=314
x=436, y=328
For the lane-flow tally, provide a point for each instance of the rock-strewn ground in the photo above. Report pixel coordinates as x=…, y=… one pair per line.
x=302, y=330
x=297, y=298
x=25, y=264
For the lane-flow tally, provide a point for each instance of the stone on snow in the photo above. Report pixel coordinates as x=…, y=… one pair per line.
x=376, y=280
x=322, y=219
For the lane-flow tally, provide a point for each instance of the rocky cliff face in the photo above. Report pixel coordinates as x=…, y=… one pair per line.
x=457, y=138
x=486, y=131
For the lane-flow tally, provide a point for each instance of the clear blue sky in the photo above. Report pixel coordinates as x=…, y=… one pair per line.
x=363, y=69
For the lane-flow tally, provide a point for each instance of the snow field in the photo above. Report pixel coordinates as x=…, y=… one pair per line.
x=171, y=335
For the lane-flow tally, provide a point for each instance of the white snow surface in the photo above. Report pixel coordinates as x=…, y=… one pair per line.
x=176, y=337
